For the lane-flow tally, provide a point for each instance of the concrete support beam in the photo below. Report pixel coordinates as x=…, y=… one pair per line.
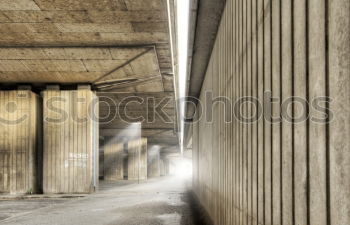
x=25, y=87
x=53, y=87
x=84, y=87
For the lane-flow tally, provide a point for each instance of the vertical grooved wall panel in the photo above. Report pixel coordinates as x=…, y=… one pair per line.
x=267, y=111
x=317, y=88
x=260, y=89
x=276, y=111
x=339, y=91
x=287, y=127
x=300, y=127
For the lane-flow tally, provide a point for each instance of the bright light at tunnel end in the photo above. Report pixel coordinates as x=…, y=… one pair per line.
x=182, y=168
x=183, y=13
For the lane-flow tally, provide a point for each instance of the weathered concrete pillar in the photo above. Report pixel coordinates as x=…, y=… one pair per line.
x=19, y=141
x=113, y=159
x=153, y=165
x=164, y=166
x=137, y=159
x=70, y=141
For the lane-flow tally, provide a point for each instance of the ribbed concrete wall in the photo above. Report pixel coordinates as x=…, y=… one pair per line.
x=19, y=142
x=70, y=142
x=285, y=172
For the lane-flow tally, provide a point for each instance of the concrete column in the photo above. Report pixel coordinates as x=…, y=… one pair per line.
x=19, y=141
x=137, y=159
x=164, y=166
x=153, y=165
x=113, y=159
x=101, y=158
x=70, y=142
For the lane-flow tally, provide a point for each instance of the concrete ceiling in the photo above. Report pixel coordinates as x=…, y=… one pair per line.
x=83, y=22
x=207, y=22
x=67, y=65
x=95, y=42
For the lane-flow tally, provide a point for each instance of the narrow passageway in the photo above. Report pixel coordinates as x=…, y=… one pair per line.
x=174, y=112
x=157, y=201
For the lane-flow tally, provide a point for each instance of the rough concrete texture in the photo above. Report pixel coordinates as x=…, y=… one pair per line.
x=162, y=201
x=265, y=171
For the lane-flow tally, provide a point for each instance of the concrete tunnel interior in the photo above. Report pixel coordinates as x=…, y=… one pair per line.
x=175, y=112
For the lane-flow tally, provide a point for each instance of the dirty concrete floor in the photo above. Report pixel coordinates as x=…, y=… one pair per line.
x=154, y=202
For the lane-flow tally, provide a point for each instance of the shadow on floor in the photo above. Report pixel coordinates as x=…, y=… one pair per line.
x=199, y=215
